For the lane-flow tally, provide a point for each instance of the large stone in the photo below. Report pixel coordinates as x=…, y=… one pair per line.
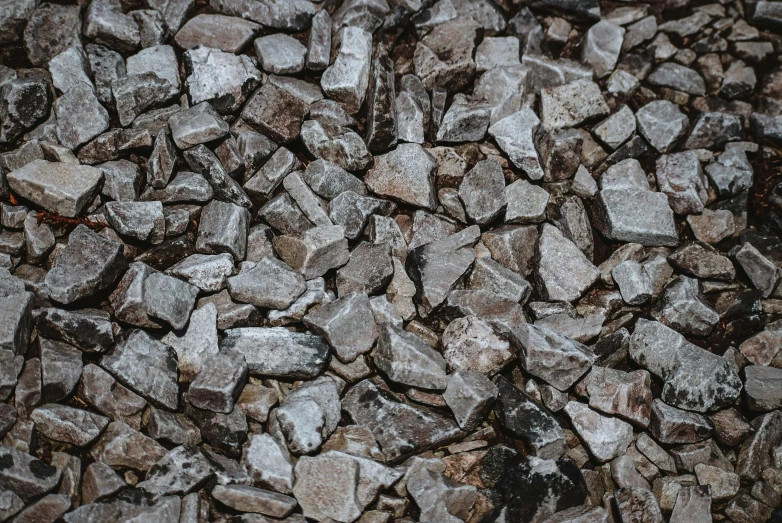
x=16, y=322
x=25, y=475
x=470, y=343
x=347, y=324
x=67, y=424
x=680, y=177
x=564, y=273
x=276, y=112
x=572, y=104
x=444, y=57
x=270, y=284
x=682, y=307
x=517, y=135
x=662, y=124
x=51, y=29
x=63, y=188
x=678, y=77
x=606, y=438
x=601, y=47
x=227, y=33
x=634, y=215
x=277, y=351
x=405, y=358
x=762, y=387
x=404, y=174
x=223, y=79
x=89, y=263
x=347, y=79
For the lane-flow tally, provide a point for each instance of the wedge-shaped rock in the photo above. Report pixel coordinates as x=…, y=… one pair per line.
x=63, y=188
x=680, y=177
x=606, y=438
x=347, y=324
x=695, y=379
x=401, y=429
x=26, y=476
x=517, y=135
x=100, y=390
x=572, y=104
x=551, y=357
x=277, y=351
x=315, y=251
x=470, y=343
x=89, y=263
x=528, y=421
x=636, y=215
x=625, y=394
x=405, y=174
x=269, y=284
x=469, y=395
x=123, y=447
x=683, y=307
x=223, y=79
x=405, y=358
x=564, y=273
x=672, y=425
x=140, y=220
x=662, y=124
x=347, y=79
x=147, y=366
x=67, y=424
x=219, y=383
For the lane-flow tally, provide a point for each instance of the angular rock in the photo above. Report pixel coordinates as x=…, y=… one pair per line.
x=250, y=499
x=223, y=79
x=517, y=135
x=404, y=174
x=68, y=425
x=135, y=94
x=223, y=228
x=26, y=476
x=315, y=251
x=662, y=124
x=601, y=47
x=482, y=191
x=444, y=57
x=179, y=472
x=620, y=217
x=16, y=322
x=335, y=144
x=326, y=487
x=605, y=437
x=277, y=351
x=762, y=387
x=61, y=368
x=100, y=390
x=571, y=104
x=346, y=80
x=197, y=125
x=227, y=33
x=465, y=121
x=405, y=358
x=269, y=464
x=381, y=117
x=140, y=220
x=51, y=29
x=276, y=112
x=62, y=188
x=682, y=307
x=347, y=324
x=469, y=395
x=564, y=272
x=269, y=284
x=219, y=382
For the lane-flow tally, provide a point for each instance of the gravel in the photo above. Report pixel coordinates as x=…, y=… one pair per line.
x=453, y=261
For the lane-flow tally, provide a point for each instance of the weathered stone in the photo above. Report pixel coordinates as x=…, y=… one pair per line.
x=319, y=45
x=250, y=499
x=283, y=353
x=219, y=382
x=625, y=394
x=100, y=390
x=763, y=274
x=605, y=437
x=762, y=387
x=346, y=80
x=61, y=188
x=564, y=273
x=404, y=174
x=223, y=79
x=140, y=220
x=223, y=228
x=270, y=283
x=517, y=135
x=572, y=104
x=638, y=503
x=51, y=29
x=69, y=425
x=276, y=112
x=469, y=395
x=336, y=144
x=326, y=487
x=617, y=128
x=99, y=482
x=227, y=33
x=662, y=124
x=601, y=47
x=135, y=94
x=407, y=359
x=16, y=321
x=121, y=446
x=465, y=121
x=199, y=124
x=440, y=498
x=381, y=117
x=88, y=263
x=269, y=463
x=626, y=215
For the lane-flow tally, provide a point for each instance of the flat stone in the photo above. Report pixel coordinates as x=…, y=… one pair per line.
x=465, y=121
x=713, y=130
x=528, y=421
x=68, y=425
x=564, y=273
x=269, y=284
x=667, y=354
x=662, y=124
x=572, y=104
x=404, y=174
x=762, y=387
x=172, y=428
x=469, y=395
x=763, y=274
x=140, y=220
x=283, y=353
x=199, y=124
x=122, y=446
x=516, y=135
x=638, y=502
x=62, y=188
x=208, y=272
x=339, y=145
x=497, y=52
x=605, y=437
x=405, y=358
x=678, y=77
x=99, y=482
x=722, y=483
x=16, y=321
x=227, y=33
x=617, y=128
x=712, y=226
x=619, y=217
x=490, y=275
x=61, y=26
x=135, y=94
x=347, y=324
x=329, y=180
x=444, y=57
x=223, y=228
x=223, y=79
x=69, y=69
x=100, y=390
x=269, y=463
x=25, y=475
x=89, y=263
x=326, y=487
x=250, y=499
x=219, y=382
x=601, y=47
x=146, y=366
x=276, y=112
x=625, y=394
x=633, y=281
x=399, y=428
x=315, y=251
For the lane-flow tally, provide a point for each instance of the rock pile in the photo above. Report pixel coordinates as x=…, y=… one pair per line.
x=436, y=261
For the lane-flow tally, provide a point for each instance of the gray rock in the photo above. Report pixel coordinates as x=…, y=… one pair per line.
x=135, y=94
x=319, y=44
x=140, y=220
x=262, y=111
x=739, y=81
x=146, y=366
x=282, y=213
x=409, y=118
x=682, y=307
x=223, y=79
x=269, y=284
x=497, y=52
x=346, y=80
x=625, y=394
x=405, y=358
x=465, y=121
x=172, y=428
x=169, y=299
x=106, y=66
x=208, y=272
x=122, y=180
x=11, y=27
x=67, y=424
x=714, y=130
x=678, y=77
x=550, y=356
x=640, y=216
x=526, y=420
x=277, y=351
x=381, y=113
x=223, y=228
x=441, y=498
x=105, y=23
x=633, y=281
x=617, y=128
x=224, y=432
x=329, y=180
x=606, y=438
x=100, y=390
x=513, y=247
x=254, y=500
x=61, y=368
x=16, y=321
x=89, y=263
x=564, y=273
x=517, y=135
x=763, y=274
x=404, y=174
x=227, y=33
x=179, y=472
x=272, y=173
x=99, y=482
x=26, y=476
x=109, y=146
x=571, y=104
x=62, y=188
x=662, y=124
x=197, y=344
x=337, y=144
x=601, y=46
x=471, y=344
x=399, y=428
x=560, y=152
x=352, y=211
x=269, y=463
x=51, y=29
x=326, y=487
x=312, y=206
x=219, y=382
x=9, y=372
x=469, y=395
x=70, y=69
x=767, y=14
x=490, y=275
x=483, y=191
x=199, y=124
x=703, y=261
x=444, y=57
x=315, y=251
x=347, y=324
x=672, y=425
x=762, y=387
x=160, y=60
x=504, y=89
x=694, y=379
x=731, y=173
x=637, y=502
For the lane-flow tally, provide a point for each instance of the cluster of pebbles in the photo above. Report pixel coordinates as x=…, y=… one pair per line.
x=453, y=261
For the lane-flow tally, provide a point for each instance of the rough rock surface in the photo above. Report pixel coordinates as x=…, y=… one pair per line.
x=374, y=261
